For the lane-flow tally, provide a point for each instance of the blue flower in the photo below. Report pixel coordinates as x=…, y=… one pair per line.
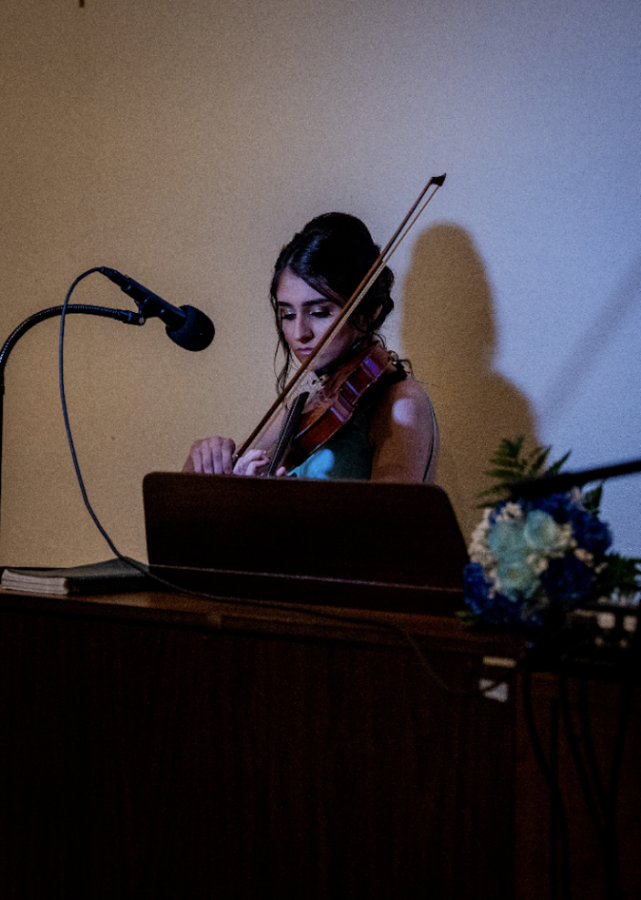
x=476, y=587
x=516, y=576
x=590, y=532
x=506, y=536
x=528, y=559
x=498, y=509
x=555, y=505
x=567, y=579
x=494, y=607
x=542, y=533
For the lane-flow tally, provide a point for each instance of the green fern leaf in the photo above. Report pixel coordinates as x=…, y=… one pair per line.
x=592, y=500
x=510, y=463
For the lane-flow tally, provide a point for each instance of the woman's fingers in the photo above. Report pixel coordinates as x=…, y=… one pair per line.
x=215, y=456
x=253, y=462
x=211, y=456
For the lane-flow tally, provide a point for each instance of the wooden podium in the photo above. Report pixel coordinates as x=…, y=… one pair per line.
x=158, y=745
x=155, y=745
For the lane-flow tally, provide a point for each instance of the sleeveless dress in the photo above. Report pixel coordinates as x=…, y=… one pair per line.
x=349, y=453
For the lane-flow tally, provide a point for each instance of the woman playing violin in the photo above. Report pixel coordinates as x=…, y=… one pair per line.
x=392, y=435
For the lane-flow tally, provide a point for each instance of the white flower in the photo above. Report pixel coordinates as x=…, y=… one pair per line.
x=585, y=556
x=478, y=550
x=576, y=496
x=511, y=510
x=538, y=563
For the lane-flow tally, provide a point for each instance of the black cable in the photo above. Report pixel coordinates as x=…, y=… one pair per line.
x=279, y=605
x=575, y=751
x=65, y=415
x=525, y=662
x=589, y=749
x=506, y=677
x=553, y=834
x=601, y=804
x=605, y=797
x=600, y=800
x=551, y=779
x=141, y=567
x=615, y=773
x=619, y=744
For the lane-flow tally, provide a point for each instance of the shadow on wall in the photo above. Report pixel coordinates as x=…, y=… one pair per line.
x=449, y=335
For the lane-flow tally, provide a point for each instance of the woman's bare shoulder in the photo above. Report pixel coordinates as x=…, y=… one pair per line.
x=411, y=392
x=404, y=434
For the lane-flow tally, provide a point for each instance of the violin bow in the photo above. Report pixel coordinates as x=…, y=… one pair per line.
x=351, y=305
x=290, y=425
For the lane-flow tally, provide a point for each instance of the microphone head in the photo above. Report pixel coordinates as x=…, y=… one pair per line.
x=196, y=332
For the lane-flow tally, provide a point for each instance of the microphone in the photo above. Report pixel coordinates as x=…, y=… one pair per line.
x=188, y=327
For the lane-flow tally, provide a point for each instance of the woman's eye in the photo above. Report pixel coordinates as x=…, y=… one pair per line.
x=286, y=315
x=322, y=312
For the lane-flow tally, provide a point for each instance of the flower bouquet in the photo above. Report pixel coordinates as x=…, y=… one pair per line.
x=528, y=556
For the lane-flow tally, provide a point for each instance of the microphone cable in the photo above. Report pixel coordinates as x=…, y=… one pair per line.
x=65, y=415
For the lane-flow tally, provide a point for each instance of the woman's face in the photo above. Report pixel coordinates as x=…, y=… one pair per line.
x=305, y=316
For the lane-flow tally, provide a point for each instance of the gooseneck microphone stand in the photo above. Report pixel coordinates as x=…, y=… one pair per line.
x=122, y=315
x=186, y=326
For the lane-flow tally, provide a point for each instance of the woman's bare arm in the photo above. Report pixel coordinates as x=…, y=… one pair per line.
x=403, y=434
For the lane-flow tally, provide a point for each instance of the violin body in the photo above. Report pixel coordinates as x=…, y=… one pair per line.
x=332, y=407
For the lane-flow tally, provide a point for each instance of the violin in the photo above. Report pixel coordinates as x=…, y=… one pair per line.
x=308, y=423
x=332, y=406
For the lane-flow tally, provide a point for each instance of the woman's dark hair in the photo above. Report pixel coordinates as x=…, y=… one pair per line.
x=332, y=254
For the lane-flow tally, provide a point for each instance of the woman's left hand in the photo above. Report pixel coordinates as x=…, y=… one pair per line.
x=255, y=462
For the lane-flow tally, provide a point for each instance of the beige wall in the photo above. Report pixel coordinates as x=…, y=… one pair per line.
x=184, y=143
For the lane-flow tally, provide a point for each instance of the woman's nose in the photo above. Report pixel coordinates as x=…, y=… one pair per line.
x=303, y=331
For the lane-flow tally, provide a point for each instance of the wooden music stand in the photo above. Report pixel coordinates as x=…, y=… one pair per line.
x=329, y=543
